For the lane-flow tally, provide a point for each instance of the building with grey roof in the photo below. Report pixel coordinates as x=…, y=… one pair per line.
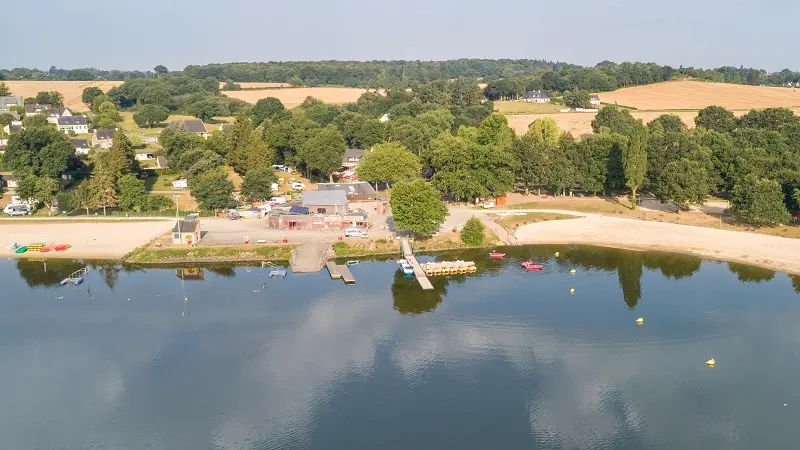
x=351, y=157
x=326, y=202
x=7, y=102
x=536, y=97
x=359, y=190
x=195, y=126
x=75, y=124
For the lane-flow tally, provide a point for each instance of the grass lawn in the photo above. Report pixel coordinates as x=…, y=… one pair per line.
x=589, y=205
x=151, y=254
x=129, y=126
x=515, y=107
x=364, y=247
x=157, y=181
x=511, y=223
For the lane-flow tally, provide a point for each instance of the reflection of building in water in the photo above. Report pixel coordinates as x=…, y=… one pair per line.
x=190, y=273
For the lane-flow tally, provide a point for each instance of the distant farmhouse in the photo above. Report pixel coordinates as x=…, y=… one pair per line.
x=594, y=99
x=76, y=124
x=536, y=97
x=195, y=126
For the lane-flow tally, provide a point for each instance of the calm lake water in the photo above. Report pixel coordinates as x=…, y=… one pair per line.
x=498, y=360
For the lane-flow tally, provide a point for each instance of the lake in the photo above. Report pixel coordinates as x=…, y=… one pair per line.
x=502, y=359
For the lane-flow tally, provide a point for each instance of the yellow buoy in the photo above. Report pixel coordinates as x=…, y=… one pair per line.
x=640, y=320
x=710, y=362
x=572, y=272
x=557, y=254
x=186, y=300
x=572, y=291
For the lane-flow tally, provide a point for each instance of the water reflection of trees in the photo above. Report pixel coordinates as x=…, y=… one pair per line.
x=409, y=298
x=750, y=274
x=50, y=272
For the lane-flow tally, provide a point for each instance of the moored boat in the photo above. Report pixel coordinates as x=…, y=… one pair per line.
x=530, y=265
x=408, y=269
x=496, y=255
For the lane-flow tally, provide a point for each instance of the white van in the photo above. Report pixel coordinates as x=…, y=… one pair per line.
x=298, y=186
x=14, y=206
x=354, y=232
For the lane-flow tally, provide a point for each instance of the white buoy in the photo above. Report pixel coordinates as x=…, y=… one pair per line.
x=710, y=362
x=572, y=291
x=557, y=254
x=640, y=320
x=572, y=272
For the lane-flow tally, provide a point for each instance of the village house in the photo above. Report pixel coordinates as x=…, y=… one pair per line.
x=103, y=138
x=186, y=231
x=82, y=146
x=13, y=128
x=594, y=99
x=325, y=202
x=144, y=156
x=351, y=158
x=180, y=184
x=161, y=162
x=35, y=108
x=53, y=114
x=195, y=126
x=7, y=102
x=536, y=97
x=75, y=124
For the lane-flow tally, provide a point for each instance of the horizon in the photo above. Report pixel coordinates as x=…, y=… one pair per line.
x=358, y=30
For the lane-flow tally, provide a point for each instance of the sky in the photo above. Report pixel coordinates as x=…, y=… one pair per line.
x=143, y=33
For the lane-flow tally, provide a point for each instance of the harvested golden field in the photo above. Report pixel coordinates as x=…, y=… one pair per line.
x=258, y=85
x=698, y=95
x=292, y=97
x=71, y=90
x=581, y=123
x=516, y=107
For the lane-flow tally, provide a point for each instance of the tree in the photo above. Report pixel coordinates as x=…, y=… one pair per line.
x=416, y=207
x=176, y=141
x=472, y=232
x=531, y=158
x=46, y=189
x=5, y=119
x=670, y=122
x=683, y=182
x=26, y=187
x=102, y=191
x=132, y=193
x=245, y=149
x=388, y=162
x=266, y=109
x=158, y=202
x=4, y=90
x=616, y=120
x=257, y=184
x=89, y=94
x=39, y=151
x=206, y=110
x=52, y=98
x=759, y=201
x=545, y=131
x=120, y=159
x=634, y=161
x=577, y=99
x=35, y=120
x=323, y=151
x=212, y=189
x=494, y=130
x=83, y=196
x=160, y=70
x=150, y=115
x=716, y=118
x=66, y=201
x=109, y=109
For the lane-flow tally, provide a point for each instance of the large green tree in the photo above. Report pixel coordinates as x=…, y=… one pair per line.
x=39, y=151
x=389, y=163
x=132, y=194
x=683, y=182
x=531, y=155
x=472, y=232
x=716, y=118
x=416, y=207
x=322, y=152
x=634, y=161
x=257, y=184
x=266, y=109
x=150, y=115
x=89, y=94
x=4, y=90
x=207, y=109
x=212, y=189
x=759, y=201
x=577, y=99
x=102, y=190
x=616, y=120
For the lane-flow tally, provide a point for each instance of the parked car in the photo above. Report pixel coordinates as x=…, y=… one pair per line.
x=277, y=200
x=15, y=206
x=18, y=212
x=298, y=186
x=354, y=232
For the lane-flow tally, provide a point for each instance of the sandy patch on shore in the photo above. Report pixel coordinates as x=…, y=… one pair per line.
x=772, y=252
x=101, y=240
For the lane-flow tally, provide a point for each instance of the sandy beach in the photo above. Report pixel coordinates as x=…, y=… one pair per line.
x=101, y=240
x=772, y=252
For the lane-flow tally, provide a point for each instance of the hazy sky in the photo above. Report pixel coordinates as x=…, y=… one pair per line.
x=142, y=33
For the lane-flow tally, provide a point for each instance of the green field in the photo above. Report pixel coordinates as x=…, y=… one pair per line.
x=515, y=107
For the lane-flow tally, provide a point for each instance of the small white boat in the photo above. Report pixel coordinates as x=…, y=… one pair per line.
x=278, y=273
x=407, y=268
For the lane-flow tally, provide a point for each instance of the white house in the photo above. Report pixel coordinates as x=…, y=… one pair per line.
x=180, y=184
x=8, y=180
x=536, y=97
x=384, y=118
x=351, y=158
x=53, y=114
x=103, y=138
x=76, y=124
x=594, y=99
x=82, y=146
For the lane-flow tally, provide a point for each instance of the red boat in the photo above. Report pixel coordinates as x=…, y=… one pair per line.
x=530, y=265
x=496, y=255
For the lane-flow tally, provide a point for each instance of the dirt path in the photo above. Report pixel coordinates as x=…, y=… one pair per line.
x=772, y=252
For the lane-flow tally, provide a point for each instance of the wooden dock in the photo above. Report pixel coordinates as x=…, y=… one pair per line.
x=333, y=269
x=344, y=272
x=419, y=274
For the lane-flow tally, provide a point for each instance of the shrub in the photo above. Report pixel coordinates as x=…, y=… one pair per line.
x=472, y=233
